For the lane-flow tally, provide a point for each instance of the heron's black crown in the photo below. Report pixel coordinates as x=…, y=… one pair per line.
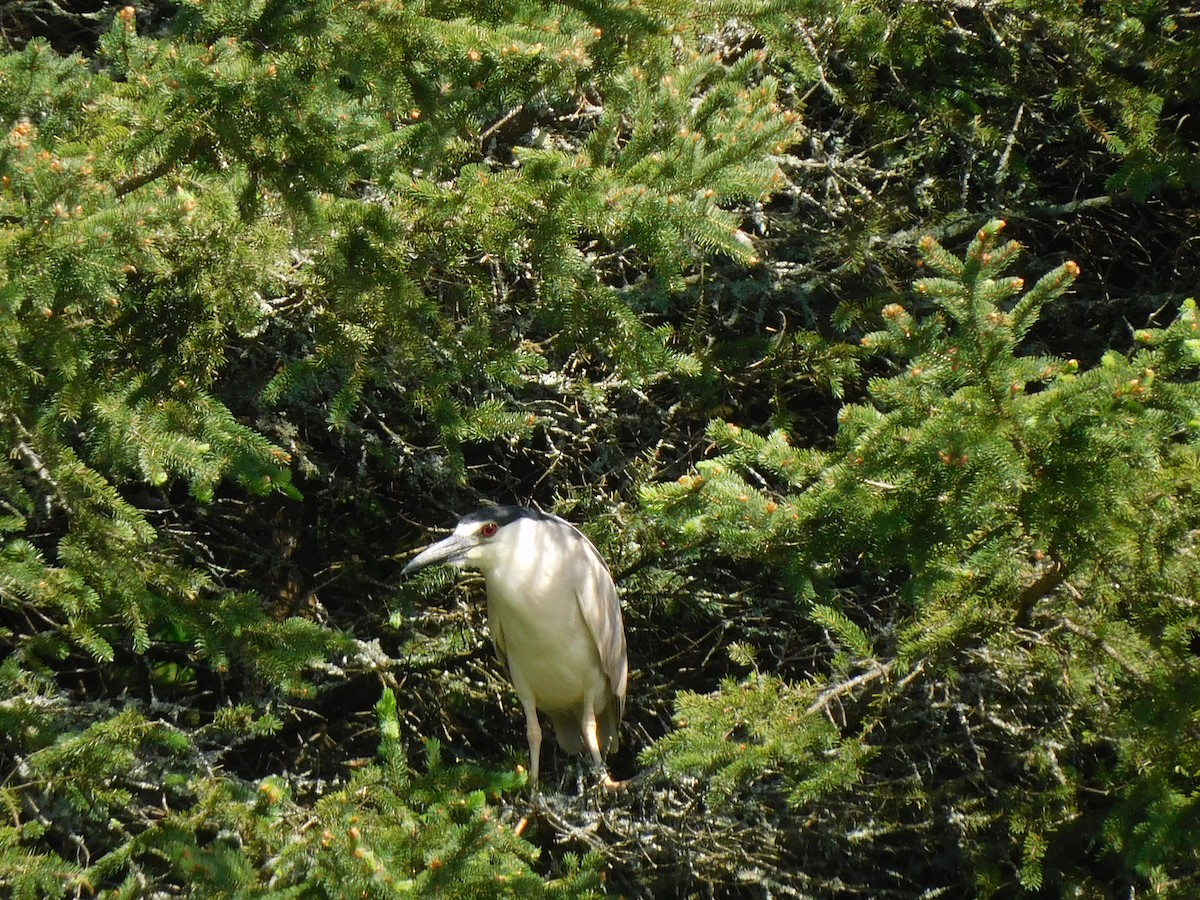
x=501, y=515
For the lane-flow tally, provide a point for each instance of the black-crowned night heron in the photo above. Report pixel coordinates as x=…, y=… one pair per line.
x=555, y=621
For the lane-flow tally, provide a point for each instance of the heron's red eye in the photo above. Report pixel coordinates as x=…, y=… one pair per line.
x=489, y=530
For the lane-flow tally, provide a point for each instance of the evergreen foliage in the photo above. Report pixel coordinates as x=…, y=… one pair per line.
x=999, y=548
x=284, y=285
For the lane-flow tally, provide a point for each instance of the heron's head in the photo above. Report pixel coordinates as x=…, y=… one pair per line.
x=479, y=540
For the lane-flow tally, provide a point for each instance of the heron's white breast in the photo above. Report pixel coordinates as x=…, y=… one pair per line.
x=534, y=596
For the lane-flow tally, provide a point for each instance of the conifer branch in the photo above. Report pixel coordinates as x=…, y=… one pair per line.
x=1002, y=165
x=1053, y=576
x=878, y=670
x=157, y=171
x=501, y=122
x=32, y=459
x=1132, y=668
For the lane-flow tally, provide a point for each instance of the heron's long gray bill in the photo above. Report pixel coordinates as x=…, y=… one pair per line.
x=448, y=551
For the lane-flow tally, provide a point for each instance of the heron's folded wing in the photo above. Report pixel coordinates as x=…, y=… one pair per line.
x=601, y=608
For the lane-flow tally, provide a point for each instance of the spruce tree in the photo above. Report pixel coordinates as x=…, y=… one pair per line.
x=285, y=285
x=239, y=251
x=998, y=555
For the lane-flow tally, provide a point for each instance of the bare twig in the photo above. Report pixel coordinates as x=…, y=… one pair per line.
x=1109, y=650
x=827, y=696
x=1002, y=167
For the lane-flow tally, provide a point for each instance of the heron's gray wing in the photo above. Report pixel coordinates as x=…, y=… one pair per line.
x=497, y=634
x=601, y=608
